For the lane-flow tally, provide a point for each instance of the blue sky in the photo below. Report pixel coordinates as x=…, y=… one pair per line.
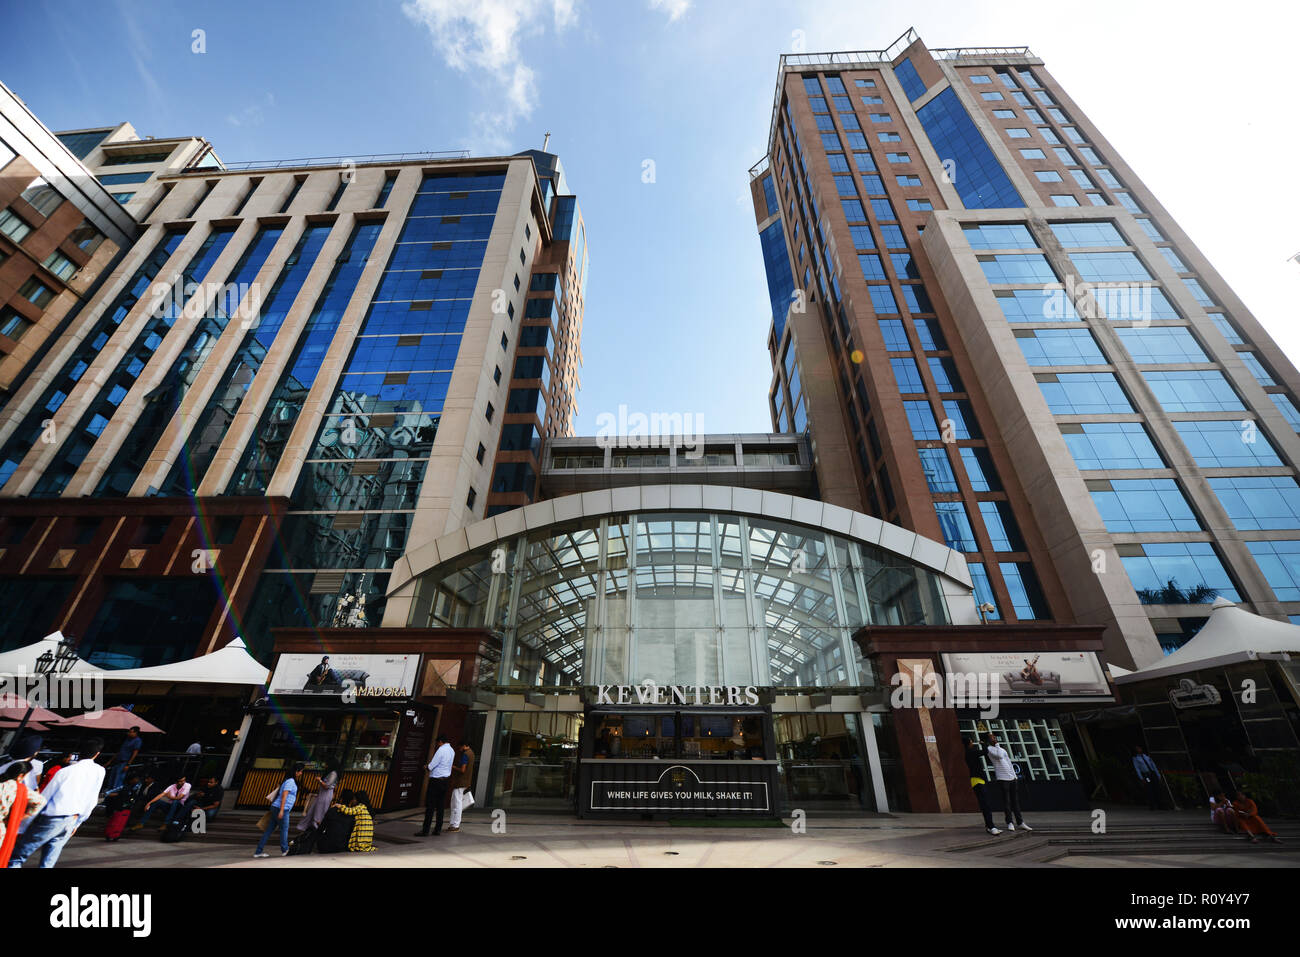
x=677, y=308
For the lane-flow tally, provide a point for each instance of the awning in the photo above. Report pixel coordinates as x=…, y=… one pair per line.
x=23, y=660
x=1232, y=635
x=231, y=665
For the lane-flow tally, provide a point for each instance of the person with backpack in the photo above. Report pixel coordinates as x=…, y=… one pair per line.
x=975, y=766
x=278, y=816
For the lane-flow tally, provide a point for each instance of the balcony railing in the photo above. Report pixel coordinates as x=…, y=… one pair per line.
x=327, y=161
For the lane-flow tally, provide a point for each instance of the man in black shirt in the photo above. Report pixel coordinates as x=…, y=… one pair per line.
x=975, y=765
x=207, y=798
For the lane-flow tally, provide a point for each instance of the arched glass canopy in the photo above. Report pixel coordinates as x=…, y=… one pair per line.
x=694, y=597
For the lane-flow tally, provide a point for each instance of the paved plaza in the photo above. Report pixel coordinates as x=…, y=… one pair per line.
x=1061, y=839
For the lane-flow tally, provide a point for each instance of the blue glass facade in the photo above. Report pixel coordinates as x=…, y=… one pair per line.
x=93, y=421
x=780, y=278
x=165, y=400
x=214, y=421
x=29, y=432
x=273, y=430
x=980, y=180
x=908, y=78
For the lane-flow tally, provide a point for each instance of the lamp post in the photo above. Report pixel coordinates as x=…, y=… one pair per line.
x=48, y=663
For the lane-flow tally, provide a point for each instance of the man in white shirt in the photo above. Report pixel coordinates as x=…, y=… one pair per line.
x=436, y=794
x=70, y=797
x=1005, y=775
x=25, y=750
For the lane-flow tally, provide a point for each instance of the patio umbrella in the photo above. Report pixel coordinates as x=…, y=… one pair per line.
x=112, y=719
x=15, y=706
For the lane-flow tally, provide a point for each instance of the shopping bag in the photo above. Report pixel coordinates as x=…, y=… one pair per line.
x=264, y=821
x=467, y=801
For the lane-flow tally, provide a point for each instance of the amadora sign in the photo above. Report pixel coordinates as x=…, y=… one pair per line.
x=650, y=693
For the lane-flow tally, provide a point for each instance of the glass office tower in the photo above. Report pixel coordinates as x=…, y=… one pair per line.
x=996, y=336
x=295, y=375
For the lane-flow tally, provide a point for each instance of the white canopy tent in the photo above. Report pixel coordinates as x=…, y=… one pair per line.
x=231, y=665
x=23, y=660
x=1232, y=635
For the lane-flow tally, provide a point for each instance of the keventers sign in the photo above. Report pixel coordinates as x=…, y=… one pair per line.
x=650, y=693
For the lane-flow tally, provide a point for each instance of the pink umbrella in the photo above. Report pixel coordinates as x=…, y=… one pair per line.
x=15, y=706
x=112, y=719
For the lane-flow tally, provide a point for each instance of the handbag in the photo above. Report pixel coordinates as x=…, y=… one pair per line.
x=264, y=821
x=467, y=800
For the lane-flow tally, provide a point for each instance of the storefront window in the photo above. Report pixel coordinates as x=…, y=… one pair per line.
x=699, y=737
x=822, y=761
x=1037, y=746
x=535, y=761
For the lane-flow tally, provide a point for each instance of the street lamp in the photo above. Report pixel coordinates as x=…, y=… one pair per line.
x=49, y=663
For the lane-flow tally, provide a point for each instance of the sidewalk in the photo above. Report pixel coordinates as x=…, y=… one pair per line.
x=1133, y=837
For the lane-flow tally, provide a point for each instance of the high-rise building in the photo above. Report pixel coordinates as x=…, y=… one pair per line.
x=296, y=375
x=995, y=335
x=60, y=233
x=129, y=165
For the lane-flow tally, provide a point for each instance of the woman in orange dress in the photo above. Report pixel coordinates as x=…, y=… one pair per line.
x=16, y=803
x=1249, y=820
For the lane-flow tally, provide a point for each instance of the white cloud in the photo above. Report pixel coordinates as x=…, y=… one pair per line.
x=676, y=9
x=485, y=36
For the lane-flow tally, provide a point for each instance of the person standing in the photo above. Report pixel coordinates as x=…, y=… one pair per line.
x=281, y=805
x=1149, y=775
x=17, y=805
x=70, y=797
x=129, y=751
x=1005, y=775
x=975, y=765
x=320, y=804
x=462, y=778
x=435, y=796
x=25, y=750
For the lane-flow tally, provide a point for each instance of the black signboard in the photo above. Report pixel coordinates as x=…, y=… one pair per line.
x=680, y=788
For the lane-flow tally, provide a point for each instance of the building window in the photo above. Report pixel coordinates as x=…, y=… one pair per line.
x=1111, y=445
x=1017, y=133
x=471, y=498
x=43, y=197
x=999, y=236
x=13, y=226
x=60, y=265
x=908, y=180
x=1048, y=176
x=1029, y=605
x=1180, y=573
x=1193, y=391
x=1143, y=505
x=1060, y=347
x=491, y=411
x=1161, y=344
x=1083, y=393
x=1017, y=268
x=1280, y=563
x=36, y=292
x=955, y=525
x=12, y=324
x=1064, y=199
x=1260, y=503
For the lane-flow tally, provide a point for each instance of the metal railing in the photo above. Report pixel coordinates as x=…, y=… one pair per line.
x=958, y=53
x=326, y=161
